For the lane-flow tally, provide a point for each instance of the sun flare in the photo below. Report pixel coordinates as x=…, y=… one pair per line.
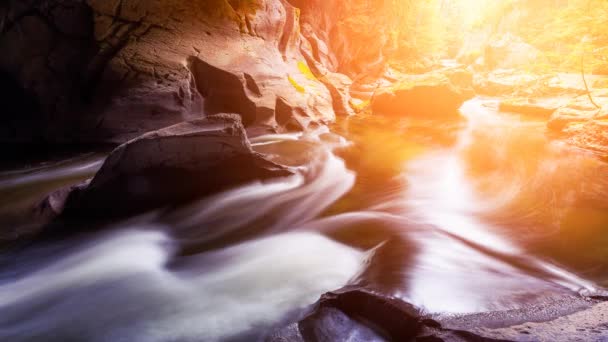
x=303, y=170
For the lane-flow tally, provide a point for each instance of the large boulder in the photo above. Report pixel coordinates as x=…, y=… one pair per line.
x=579, y=110
x=171, y=166
x=429, y=96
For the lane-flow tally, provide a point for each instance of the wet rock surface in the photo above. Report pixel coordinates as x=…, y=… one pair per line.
x=357, y=314
x=532, y=107
x=418, y=96
x=586, y=325
x=171, y=166
x=561, y=100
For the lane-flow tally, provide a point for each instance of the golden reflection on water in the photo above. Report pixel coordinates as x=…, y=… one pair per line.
x=548, y=198
x=379, y=149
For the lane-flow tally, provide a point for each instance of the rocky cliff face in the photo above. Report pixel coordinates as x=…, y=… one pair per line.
x=107, y=71
x=46, y=50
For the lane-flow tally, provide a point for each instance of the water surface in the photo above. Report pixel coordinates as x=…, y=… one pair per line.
x=456, y=218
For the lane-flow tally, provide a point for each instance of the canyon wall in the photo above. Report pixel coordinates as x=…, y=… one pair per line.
x=110, y=70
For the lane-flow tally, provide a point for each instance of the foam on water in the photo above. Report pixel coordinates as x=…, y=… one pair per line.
x=119, y=288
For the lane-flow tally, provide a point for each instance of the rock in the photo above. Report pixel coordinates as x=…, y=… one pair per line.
x=588, y=324
x=54, y=203
x=327, y=324
x=513, y=82
x=338, y=84
x=581, y=124
x=591, y=135
x=354, y=314
x=579, y=110
x=395, y=318
x=565, y=116
x=343, y=27
x=459, y=77
x=509, y=51
x=504, y=82
x=430, y=96
x=46, y=48
x=109, y=71
x=214, y=56
x=172, y=166
x=534, y=107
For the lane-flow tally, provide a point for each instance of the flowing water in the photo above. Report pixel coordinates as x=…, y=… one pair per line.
x=489, y=215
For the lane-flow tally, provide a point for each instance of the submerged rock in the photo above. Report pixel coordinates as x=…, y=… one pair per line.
x=172, y=166
x=431, y=96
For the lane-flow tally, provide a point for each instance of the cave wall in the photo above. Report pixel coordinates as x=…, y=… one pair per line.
x=110, y=70
x=357, y=35
x=45, y=52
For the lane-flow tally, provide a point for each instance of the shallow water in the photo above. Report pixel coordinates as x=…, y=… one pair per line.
x=488, y=215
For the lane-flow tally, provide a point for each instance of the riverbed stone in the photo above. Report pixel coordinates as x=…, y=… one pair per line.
x=590, y=135
x=541, y=108
x=172, y=166
x=427, y=96
x=354, y=314
x=509, y=51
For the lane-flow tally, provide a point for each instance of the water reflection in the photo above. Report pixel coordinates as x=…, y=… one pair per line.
x=481, y=217
x=487, y=215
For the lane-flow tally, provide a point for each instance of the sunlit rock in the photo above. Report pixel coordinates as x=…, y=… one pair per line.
x=565, y=116
x=503, y=82
x=578, y=110
x=344, y=27
x=431, y=96
x=509, y=51
x=591, y=135
x=541, y=108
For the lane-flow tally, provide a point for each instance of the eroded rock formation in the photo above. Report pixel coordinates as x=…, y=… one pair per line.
x=171, y=166
x=102, y=70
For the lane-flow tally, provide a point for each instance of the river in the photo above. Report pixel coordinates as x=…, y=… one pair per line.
x=480, y=216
